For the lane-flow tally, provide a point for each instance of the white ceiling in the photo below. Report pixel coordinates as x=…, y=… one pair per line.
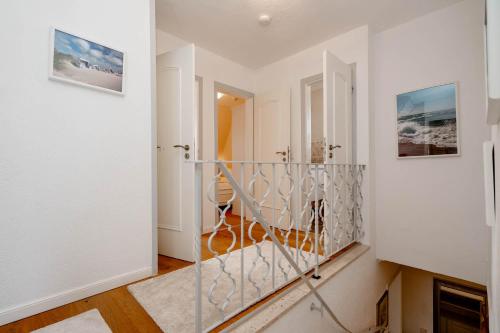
x=230, y=27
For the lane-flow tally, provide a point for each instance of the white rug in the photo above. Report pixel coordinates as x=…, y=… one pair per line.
x=170, y=298
x=87, y=322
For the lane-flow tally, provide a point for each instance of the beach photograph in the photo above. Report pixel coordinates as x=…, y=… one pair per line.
x=427, y=122
x=82, y=61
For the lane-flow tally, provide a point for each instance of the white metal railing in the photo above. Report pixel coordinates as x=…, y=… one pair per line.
x=292, y=218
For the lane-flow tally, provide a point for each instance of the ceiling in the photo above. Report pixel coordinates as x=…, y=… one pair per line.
x=230, y=27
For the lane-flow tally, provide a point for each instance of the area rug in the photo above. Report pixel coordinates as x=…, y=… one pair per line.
x=170, y=298
x=86, y=322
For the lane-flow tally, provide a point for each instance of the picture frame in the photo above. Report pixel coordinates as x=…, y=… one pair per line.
x=82, y=61
x=383, y=310
x=428, y=122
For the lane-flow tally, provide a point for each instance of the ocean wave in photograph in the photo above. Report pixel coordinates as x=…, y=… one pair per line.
x=427, y=122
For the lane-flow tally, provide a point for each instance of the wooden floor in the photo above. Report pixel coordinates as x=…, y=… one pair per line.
x=224, y=238
x=119, y=308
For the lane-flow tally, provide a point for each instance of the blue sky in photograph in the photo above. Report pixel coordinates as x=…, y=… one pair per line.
x=94, y=53
x=432, y=99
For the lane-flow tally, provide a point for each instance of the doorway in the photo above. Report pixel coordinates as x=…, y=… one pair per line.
x=234, y=133
x=178, y=142
x=459, y=308
x=313, y=138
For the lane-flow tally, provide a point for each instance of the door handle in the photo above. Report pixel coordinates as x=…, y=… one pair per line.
x=185, y=147
x=281, y=153
x=331, y=148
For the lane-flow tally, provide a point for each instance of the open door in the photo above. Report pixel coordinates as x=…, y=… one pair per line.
x=272, y=142
x=176, y=138
x=337, y=109
x=337, y=131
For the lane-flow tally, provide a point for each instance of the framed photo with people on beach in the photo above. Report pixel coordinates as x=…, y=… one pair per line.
x=77, y=60
x=427, y=122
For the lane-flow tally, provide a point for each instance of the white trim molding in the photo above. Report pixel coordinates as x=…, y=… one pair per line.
x=50, y=302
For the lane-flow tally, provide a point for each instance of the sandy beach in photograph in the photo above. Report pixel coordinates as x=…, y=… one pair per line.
x=93, y=77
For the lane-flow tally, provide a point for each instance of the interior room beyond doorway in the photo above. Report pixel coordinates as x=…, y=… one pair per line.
x=235, y=139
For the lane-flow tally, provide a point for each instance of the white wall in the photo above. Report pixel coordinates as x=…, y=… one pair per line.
x=212, y=68
x=494, y=281
x=396, y=304
x=430, y=212
x=75, y=163
x=417, y=300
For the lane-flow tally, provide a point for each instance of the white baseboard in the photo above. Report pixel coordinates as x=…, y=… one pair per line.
x=43, y=304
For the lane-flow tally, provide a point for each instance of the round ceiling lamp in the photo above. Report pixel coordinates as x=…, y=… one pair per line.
x=264, y=20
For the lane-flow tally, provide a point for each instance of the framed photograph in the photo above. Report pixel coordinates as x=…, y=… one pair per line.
x=383, y=310
x=80, y=61
x=427, y=122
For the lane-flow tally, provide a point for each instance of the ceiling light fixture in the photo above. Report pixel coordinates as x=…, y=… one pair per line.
x=219, y=95
x=264, y=20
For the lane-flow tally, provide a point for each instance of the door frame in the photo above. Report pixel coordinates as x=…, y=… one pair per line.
x=230, y=90
x=154, y=141
x=465, y=288
x=199, y=126
x=305, y=116
x=237, y=92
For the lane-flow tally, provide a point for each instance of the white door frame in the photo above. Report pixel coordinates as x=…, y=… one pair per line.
x=233, y=91
x=176, y=128
x=237, y=92
x=305, y=125
x=199, y=126
x=154, y=141
x=305, y=116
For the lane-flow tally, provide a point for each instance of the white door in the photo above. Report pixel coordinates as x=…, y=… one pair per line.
x=337, y=109
x=272, y=144
x=337, y=130
x=176, y=127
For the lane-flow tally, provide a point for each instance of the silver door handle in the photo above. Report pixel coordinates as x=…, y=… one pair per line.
x=185, y=147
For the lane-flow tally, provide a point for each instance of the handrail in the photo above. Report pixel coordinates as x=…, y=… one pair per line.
x=256, y=213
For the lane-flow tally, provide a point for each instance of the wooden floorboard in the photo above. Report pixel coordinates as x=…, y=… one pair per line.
x=119, y=308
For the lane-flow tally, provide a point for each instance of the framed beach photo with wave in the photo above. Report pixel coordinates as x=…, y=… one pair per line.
x=77, y=60
x=427, y=122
